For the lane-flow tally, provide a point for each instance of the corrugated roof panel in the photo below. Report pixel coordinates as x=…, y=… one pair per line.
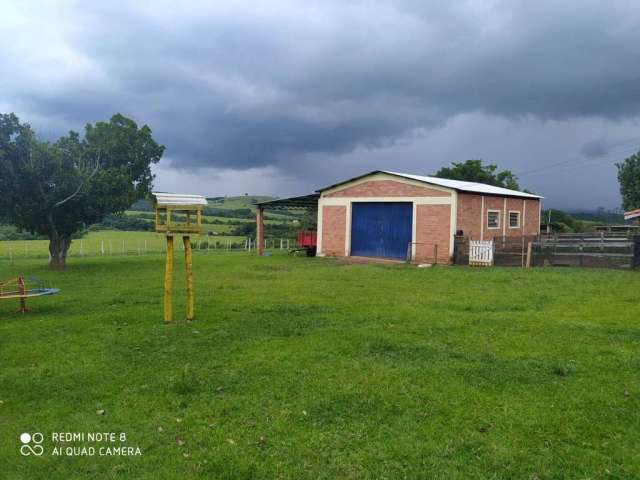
x=178, y=199
x=465, y=186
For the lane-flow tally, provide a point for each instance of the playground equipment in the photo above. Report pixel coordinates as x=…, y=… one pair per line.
x=20, y=288
x=178, y=214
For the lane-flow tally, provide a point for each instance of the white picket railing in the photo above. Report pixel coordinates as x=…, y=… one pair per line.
x=481, y=253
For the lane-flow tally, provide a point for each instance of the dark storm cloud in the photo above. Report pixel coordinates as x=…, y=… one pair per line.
x=245, y=85
x=595, y=148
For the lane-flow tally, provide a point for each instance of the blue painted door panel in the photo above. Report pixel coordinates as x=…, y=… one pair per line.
x=381, y=229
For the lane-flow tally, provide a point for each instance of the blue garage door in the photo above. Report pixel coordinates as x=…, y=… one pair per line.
x=381, y=229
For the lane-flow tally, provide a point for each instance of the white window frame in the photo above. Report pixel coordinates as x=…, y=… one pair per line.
x=519, y=216
x=490, y=227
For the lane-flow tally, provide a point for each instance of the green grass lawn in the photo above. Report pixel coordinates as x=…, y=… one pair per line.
x=111, y=242
x=304, y=368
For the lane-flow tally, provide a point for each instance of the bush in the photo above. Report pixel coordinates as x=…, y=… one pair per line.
x=123, y=222
x=9, y=232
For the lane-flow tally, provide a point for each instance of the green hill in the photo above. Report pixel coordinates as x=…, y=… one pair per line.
x=242, y=201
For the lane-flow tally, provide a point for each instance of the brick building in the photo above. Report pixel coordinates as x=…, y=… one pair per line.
x=387, y=214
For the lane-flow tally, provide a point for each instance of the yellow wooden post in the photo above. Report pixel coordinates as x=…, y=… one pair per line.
x=191, y=224
x=187, y=261
x=168, y=280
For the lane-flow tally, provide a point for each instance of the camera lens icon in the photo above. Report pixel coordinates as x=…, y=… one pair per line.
x=31, y=444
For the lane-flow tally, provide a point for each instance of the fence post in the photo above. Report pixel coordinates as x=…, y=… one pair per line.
x=580, y=250
x=529, y=255
x=102, y=247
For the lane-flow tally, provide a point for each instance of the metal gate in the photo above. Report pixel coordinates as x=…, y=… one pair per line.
x=481, y=253
x=381, y=229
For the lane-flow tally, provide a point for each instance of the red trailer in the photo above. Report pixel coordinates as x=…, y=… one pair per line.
x=307, y=241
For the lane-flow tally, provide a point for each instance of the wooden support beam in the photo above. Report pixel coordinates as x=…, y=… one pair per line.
x=168, y=281
x=259, y=231
x=186, y=241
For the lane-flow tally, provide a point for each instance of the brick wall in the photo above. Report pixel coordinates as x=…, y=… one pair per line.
x=334, y=224
x=532, y=217
x=469, y=218
x=433, y=227
x=493, y=203
x=388, y=188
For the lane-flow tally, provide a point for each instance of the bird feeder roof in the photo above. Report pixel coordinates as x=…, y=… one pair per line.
x=178, y=200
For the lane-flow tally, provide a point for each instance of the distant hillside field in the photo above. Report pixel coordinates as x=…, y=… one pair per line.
x=225, y=216
x=222, y=216
x=243, y=201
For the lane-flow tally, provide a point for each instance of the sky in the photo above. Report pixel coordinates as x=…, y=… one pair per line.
x=284, y=97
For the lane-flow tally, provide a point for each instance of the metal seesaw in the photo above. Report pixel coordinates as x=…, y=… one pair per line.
x=19, y=288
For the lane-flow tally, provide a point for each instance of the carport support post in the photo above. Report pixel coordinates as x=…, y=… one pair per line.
x=259, y=231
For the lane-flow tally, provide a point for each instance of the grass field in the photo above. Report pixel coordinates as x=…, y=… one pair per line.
x=303, y=368
x=101, y=242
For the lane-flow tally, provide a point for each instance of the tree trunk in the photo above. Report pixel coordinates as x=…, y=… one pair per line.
x=58, y=248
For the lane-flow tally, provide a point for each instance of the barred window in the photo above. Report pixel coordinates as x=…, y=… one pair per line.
x=514, y=219
x=493, y=219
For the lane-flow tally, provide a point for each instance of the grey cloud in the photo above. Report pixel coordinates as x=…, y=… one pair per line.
x=250, y=85
x=595, y=148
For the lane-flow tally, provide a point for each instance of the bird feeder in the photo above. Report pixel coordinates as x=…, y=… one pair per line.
x=178, y=214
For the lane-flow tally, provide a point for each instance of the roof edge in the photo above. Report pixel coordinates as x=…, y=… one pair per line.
x=516, y=193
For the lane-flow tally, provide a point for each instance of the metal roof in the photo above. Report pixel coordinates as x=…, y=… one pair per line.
x=304, y=201
x=632, y=214
x=459, y=185
x=178, y=199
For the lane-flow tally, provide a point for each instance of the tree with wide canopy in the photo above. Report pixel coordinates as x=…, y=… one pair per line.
x=58, y=188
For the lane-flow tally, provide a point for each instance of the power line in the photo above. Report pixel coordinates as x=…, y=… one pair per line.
x=578, y=162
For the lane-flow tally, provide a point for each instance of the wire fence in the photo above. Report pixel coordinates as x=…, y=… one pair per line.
x=12, y=250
